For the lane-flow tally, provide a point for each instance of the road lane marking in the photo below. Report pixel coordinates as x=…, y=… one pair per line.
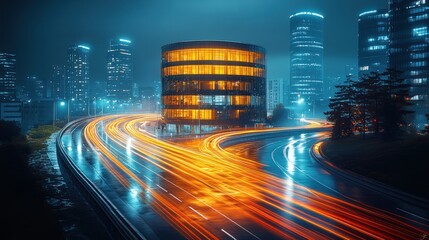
x=199, y=213
x=176, y=198
x=415, y=215
x=147, y=178
x=162, y=188
x=227, y=233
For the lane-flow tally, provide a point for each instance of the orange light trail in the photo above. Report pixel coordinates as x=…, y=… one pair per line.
x=208, y=189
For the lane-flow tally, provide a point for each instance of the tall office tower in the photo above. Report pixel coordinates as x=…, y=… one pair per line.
x=373, y=42
x=56, y=87
x=77, y=78
x=306, y=60
x=275, y=89
x=119, y=70
x=7, y=77
x=409, y=49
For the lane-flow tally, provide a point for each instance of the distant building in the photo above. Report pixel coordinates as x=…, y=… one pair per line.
x=11, y=111
x=119, y=70
x=373, y=42
x=275, y=90
x=330, y=82
x=77, y=78
x=35, y=87
x=409, y=49
x=37, y=113
x=149, y=100
x=212, y=84
x=351, y=72
x=136, y=91
x=56, y=87
x=7, y=76
x=306, y=60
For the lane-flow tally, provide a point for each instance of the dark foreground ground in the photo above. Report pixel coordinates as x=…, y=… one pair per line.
x=24, y=211
x=402, y=163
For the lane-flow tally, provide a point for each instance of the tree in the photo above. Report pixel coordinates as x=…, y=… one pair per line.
x=368, y=96
x=341, y=113
x=396, y=105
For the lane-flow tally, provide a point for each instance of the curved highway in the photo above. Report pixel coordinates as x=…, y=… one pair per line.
x=248, y=184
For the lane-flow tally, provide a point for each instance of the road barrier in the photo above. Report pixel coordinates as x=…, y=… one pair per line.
x=122, y=228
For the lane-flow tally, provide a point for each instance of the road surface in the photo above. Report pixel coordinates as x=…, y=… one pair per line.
x=248, y=184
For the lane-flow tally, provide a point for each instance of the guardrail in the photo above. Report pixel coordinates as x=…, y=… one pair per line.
x=122, y=227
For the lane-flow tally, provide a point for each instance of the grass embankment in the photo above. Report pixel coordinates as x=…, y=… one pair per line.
x=25, y=213
x=37, y=136
x=402, y=163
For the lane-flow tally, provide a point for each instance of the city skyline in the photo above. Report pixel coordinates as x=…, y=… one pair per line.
x=149, y=31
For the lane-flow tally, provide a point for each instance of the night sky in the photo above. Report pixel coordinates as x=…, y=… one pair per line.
x=40, y=31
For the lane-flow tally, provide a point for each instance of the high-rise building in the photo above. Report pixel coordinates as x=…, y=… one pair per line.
x=119, y=70
x=212, y=84
x=77, y=78
x=7, y=77
x=56, y=87
x=306, y=59
x=275, y=90
x=373, y=41
x=409, y=49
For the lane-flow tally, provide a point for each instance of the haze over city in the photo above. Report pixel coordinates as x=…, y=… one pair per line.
x=41, y=31
x=215, y=119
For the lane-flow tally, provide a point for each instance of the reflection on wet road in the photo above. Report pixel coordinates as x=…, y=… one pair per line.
x=232, y=185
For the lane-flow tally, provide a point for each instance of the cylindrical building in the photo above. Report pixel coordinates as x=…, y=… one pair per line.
x=208, y=85
x=306, y=60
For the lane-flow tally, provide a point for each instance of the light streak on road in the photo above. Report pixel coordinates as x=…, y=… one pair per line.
x=230, y=191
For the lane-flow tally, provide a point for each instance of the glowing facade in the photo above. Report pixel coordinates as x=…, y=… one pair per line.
x=212, y=83
x=409, y=49
x=306, y=58
x=119, y=70
x=373, y=41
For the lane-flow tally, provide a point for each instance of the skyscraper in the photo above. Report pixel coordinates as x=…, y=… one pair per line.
x=275, y=89
x=7, y=77
x=119, y=70
x=373, y=42
x=409, y=48
x=306, y=59
x=77, y=76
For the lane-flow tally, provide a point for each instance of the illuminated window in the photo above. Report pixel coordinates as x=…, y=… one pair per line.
x=213, y=54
